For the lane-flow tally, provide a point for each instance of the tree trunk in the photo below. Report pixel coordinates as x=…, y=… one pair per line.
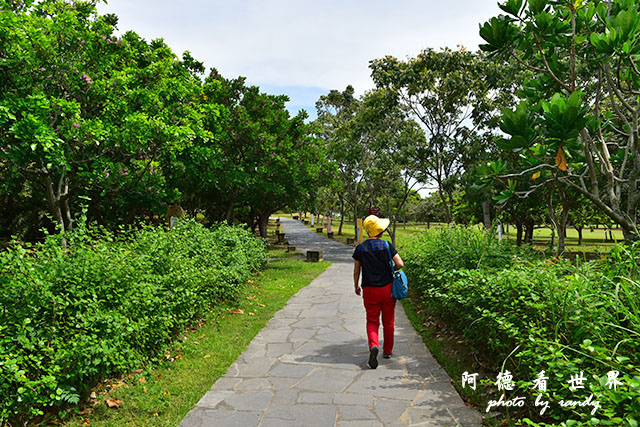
x=341, y=215
x=263, y=222
x=529, y=225
x=486, y=215
x=447, y=211
x=579, y=230
x=519, y=230
x=55, y=204
x=394, y=223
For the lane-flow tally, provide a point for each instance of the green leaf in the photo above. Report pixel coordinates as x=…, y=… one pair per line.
x=498, y=32
x=537, y=6
x=516, y=142
x=512, y=7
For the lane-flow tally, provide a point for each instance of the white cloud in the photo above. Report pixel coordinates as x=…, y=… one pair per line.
x=287, y=43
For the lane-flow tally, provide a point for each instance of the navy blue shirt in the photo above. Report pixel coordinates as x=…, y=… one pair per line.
x=374, y=258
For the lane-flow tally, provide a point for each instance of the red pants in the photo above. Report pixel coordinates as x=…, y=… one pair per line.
x=376, y=300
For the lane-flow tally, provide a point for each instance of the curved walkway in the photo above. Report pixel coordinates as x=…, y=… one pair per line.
x=308, y=366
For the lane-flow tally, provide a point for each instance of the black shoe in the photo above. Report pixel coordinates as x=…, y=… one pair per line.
x=387, y=355
x=373, y=357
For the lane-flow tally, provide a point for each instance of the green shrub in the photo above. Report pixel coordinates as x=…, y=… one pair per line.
x=107, y=304
x=529, y=314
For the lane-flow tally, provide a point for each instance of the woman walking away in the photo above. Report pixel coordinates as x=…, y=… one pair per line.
x=373, y=258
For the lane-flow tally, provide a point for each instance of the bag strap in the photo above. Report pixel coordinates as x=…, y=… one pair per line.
x=391, y=263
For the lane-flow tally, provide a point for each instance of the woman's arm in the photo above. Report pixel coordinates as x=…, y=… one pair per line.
x=398, y=261
x=356, y=276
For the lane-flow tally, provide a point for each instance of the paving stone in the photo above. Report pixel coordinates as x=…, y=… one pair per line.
x=352, y=399
x=285, y=397
x=301, y=334
x=202, y=417
x=389, y=411
x=327, y=379
x=408, y=390
x=254, y=384
x=273, y=335
x=466, y=417
x=226, y=383
x=438, y=394
x=276, y=323
x=368, y=423
x=338, y=337
x=212, y=398
x=250, y=401
x=313, y=397
x=351, y=413
x=300, y=415
x=437, y=416
x=257, y=368
x=290, y=370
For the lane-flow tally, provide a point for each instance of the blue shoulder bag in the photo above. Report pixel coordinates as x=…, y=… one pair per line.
x=400, y=285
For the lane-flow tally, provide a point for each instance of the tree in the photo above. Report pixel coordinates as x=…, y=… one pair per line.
x=448, y=92
x=337, y=128
x=391, y=138
x=579, y=118
x=269, y=160
x=86, y=116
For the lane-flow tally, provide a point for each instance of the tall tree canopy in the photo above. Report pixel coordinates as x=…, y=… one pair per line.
x=578, y=123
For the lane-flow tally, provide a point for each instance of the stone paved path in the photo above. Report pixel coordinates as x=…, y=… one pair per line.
x=307, y=367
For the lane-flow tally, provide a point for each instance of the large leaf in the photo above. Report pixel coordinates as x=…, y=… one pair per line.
x=498, y=32
x=515, y=143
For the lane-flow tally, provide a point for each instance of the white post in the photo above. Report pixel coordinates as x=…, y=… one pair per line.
x=312, y=220
x=500, y=232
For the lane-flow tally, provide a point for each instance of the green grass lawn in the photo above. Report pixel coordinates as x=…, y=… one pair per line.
x=161, y=395
x=592, y=241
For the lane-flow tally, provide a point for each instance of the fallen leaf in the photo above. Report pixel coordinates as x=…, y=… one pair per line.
x=196, y=343
x=138, y=371
x=144, y=388
x=237, y=311
x=536, y=175
x=251, y=297
x=203, y=335
x=155, y=414
x=159, y=376
x=142, y=380
x=93, y=395
x=165, y=393
x=249, y=281
x=86, y=422
x=251, y=314
x=114, y=403
x=87, y=411
x=207, y=356
x=118, y=384
x=261, y=305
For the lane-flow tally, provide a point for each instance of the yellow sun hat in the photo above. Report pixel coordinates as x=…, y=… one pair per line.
x=375, y=225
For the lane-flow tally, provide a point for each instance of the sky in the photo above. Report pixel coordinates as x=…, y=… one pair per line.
x=303, y=48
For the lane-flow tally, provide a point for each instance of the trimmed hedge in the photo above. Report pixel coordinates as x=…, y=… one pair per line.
x=535, y=314
x=107, y=304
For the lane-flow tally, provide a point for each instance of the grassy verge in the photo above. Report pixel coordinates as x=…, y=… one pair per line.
x=162, y=395
x=594, y=240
